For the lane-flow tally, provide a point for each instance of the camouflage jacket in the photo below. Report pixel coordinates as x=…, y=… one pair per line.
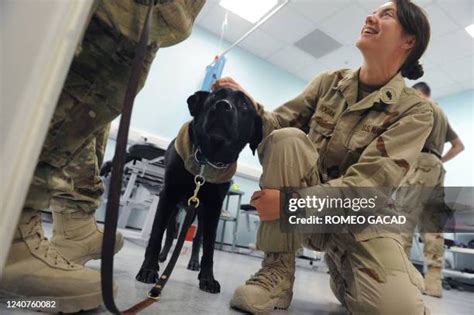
x=370, y=143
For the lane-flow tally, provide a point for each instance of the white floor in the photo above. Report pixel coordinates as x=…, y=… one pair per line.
x=312, y=294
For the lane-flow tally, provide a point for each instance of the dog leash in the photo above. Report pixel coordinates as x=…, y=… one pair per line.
x=111, y=215
x=155, y=293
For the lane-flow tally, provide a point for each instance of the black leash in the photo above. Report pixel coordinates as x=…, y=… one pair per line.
x=111, y=215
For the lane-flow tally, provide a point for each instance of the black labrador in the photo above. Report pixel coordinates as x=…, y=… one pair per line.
x=224, y=122
x=171, y=234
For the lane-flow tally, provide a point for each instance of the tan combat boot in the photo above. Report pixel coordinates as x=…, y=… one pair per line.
x=36, y=270
x=271, y=287
x=78, y=237
x=433, y=285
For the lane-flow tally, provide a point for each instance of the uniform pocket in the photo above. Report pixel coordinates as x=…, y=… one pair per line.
x=320, y=132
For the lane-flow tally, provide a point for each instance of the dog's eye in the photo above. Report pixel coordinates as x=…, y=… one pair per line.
x=245, y=106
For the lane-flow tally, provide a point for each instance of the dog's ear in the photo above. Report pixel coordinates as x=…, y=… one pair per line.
x=191, y=132
x=196, y=101
x=257, y=134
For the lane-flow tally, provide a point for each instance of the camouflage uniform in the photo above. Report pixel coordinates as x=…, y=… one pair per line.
x=428, y=172
x=333, y=135
x=66, y=177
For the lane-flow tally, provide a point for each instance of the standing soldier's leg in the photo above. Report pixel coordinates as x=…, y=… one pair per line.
x=432, y=223
x=407, y=239
x=434, y=253
x=288, y=158
x=75, y=232
x=36, y=263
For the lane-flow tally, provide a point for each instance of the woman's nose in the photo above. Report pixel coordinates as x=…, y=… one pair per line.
x=370, y=19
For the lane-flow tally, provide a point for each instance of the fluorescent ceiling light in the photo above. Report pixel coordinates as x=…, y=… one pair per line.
x=470, y=30
x=251, y=10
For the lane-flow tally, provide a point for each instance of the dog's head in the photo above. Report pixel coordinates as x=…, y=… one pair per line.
x=224, y=122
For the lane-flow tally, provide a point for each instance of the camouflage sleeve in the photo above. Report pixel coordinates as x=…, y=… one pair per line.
x=294, y=113
x=450, y=134
x=177, y=18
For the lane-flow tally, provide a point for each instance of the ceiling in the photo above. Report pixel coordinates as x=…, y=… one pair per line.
x=448, y=61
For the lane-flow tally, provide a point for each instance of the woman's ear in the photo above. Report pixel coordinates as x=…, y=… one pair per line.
x=409, y=42
x=196, y=101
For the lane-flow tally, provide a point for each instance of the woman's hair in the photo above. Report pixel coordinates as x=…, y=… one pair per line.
x=414, y=22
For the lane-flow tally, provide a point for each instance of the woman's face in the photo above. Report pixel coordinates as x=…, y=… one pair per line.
x=382, y=33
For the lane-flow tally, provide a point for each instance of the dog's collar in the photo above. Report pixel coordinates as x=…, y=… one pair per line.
x=202, y=160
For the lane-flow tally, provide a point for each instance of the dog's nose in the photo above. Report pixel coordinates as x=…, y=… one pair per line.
x=224, y=105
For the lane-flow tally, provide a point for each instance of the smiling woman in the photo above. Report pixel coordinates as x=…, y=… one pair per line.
x=319, y=141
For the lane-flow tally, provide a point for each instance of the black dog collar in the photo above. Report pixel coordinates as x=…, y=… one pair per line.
x=202, y=160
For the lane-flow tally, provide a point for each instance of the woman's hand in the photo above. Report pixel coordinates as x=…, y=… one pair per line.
x=267, y=202
x=228, y=82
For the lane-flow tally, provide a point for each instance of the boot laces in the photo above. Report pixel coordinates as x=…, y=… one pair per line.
x=270, y=275
x=42, y=242
x=266, y=277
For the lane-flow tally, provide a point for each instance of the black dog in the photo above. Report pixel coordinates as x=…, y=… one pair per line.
x=223, y=122
x=171, y=233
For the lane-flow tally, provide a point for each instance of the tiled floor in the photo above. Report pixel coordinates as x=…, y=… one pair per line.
x=312, y=294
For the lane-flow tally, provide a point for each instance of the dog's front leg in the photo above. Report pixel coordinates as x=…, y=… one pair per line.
x=209, y=221
x=166, y=209
x=197, y=240
x=170, y=235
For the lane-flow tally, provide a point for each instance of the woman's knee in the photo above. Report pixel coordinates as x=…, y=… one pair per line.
x=283, y=134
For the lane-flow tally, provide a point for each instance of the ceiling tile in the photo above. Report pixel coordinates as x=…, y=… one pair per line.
x=344, y=57
x=318, y=44
x=371, y=5
x=290, y=58
x=436, y=79
x=467, y=86
x=236, y=26
x=348, y=56
x=446, y=90
x=262, y=44
x=449, y=47
x=462, y=69
x=461, y=11
x=288, y=25
x=206, y=9
x=310, y=71
x=345, y=25
x=316, y=11
x=440, y=22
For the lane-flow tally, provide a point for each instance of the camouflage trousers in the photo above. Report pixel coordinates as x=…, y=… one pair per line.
x=428, y=172
x=92, y=96
x=364, y=274
x=77, y=185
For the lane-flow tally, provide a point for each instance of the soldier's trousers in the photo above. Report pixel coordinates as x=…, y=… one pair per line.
x=428, y=172
x=369, y=277
x=76, y=186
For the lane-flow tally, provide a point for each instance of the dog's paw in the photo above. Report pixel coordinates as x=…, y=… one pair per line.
x=194, y=265
x=210, y=285
x=147, y=275
x=163, y=257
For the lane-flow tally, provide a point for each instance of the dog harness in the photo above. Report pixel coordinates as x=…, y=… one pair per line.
x=193, y=159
